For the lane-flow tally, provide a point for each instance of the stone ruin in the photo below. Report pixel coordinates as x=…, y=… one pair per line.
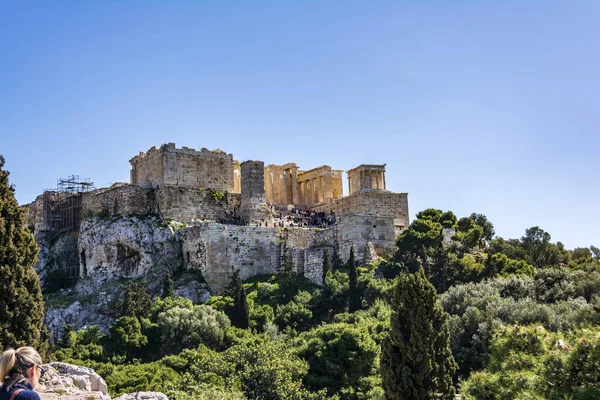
x=238, y=215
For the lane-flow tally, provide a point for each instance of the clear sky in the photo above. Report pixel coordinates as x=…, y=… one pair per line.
x=475, y=106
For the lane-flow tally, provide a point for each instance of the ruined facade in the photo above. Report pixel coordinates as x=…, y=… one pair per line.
x=169, y=165
x=228, y=217
x=286, y=184
x=366, y=177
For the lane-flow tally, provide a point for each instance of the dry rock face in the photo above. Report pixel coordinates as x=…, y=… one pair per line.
x=129, y=247
x=71, y=382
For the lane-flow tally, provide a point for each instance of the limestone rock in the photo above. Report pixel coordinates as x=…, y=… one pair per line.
x=191, y=289
x=78, y=315
x=66, y=381
x=143, y=396
x=127, y=247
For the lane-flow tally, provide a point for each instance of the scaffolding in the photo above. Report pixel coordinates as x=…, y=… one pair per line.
x=62, y=216
x=62, y=206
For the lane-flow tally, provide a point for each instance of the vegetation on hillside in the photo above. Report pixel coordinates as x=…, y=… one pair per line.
x=484, y=316
x=21, y=303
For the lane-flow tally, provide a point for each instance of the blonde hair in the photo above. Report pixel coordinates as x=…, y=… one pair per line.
x=15, y=363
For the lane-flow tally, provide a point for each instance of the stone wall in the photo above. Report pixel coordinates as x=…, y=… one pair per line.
x=253, y=203
x=171, y=202
x=119, y=199
x=169, y=165
x=360, y=230
x=185, y=203
x=382, y=203
x=217, y=250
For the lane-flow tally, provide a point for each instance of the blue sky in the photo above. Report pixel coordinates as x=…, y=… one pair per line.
x=475, y=106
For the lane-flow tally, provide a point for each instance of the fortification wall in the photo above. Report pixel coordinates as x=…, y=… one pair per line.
x=123, y=200
x=380, y=203
x=359, y=229
x=147, y=169
x=169, y=165
x=184, y=203
x=217, y=250
x=253, y=203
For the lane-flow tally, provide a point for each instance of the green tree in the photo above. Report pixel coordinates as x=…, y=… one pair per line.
x=341, y=356
x=266, y=370
x=486, y=225
x=240, y=312
x=540, y=250
x=581, y=253
x=136, y=301
x=183, y=328
x=468, y=232
x=126, y=337
x=354, y=303
x=596, y=252
x=21, y=303
x=168, y=287
x=416, y=361
x=336, y=261
x=500, y=265
x=326, y=264
x=419, y=241
x=296, y=314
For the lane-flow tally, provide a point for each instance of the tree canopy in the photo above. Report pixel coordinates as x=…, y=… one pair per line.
x=21, y=303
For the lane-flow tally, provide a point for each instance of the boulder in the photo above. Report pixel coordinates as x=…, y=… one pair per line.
x=143, y=396
x=69, y=382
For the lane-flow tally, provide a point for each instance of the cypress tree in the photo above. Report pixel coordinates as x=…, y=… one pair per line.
x=326, y=264
x=353, y=281
x=240, y=314
x=337, y=263
x=416, y=361
x=168, y=287
x=21, y=303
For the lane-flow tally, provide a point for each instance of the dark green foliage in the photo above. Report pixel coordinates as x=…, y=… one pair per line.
x=136, y=302
x=21, y=303
x=416, y=361
x=540, y=251
x=239, y=314
x=296, y=314
x=354, y=303
x=126, y=337
x=336, y=261
x=581, y=253
x=416, y=243
x=286, y=276
x=468, y=232
x=168, y=287
x=80, y=345
x=596, y=252
x=500, y=265
x=326, y=264
x=532, y=363
x=332, y=298
x=183, y=328
x=486, y=225
x=447, y=219
x=341, y=356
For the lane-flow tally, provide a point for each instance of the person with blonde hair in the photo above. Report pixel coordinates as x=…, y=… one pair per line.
x=20, y=371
